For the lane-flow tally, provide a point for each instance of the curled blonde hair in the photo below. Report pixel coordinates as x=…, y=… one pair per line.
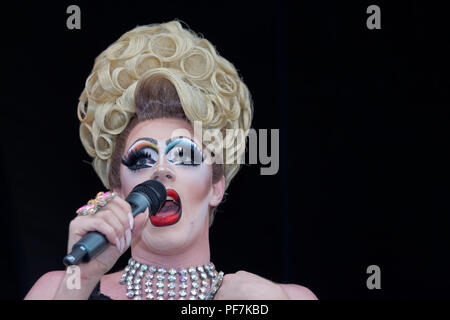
x=208, y=86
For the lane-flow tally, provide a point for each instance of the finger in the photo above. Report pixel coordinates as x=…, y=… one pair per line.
x=124, y=206
x=127, y=208
x=139, y=223
x=114, y=221
x=97, y=224
x=119, y=212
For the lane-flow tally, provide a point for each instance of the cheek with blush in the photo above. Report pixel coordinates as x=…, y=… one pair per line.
x=129, y=179
x=195, y=185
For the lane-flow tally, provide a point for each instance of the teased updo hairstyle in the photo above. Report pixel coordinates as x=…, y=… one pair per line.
x=154, y=98
x=161, y=71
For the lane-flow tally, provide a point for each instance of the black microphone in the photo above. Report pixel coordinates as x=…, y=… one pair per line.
x=149, y=194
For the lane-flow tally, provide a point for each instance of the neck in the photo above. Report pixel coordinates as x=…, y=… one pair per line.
x=192, y=254
x=184, y=274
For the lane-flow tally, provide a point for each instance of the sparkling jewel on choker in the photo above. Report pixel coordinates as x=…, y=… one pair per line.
x=158, y=283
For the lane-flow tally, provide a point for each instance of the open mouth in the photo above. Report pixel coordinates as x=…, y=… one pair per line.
x=170, y=212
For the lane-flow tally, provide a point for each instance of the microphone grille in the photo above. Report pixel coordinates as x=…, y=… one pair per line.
x=155, y=191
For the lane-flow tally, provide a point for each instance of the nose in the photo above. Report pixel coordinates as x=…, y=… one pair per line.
x=163, y=174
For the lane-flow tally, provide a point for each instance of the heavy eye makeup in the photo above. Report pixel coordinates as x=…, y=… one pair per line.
x=142, y=154
x=183, y=151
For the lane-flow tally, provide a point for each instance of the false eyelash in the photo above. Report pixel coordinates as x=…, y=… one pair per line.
x=192, y=163
x=134, y=156
x=191, y=144
x=191, y=148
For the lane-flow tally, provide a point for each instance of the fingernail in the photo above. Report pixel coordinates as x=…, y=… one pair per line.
x=130, y=216
x=118, y=244
x=122, y=243
x=128, y=235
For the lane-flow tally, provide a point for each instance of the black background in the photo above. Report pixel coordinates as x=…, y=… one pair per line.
x=363, y=118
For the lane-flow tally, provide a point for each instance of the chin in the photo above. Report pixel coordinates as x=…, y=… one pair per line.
x=170, y=239
x=176, y=237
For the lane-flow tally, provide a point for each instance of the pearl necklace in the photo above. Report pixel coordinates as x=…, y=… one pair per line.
x=170, y=284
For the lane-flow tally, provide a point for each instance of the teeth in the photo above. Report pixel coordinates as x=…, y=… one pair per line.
x=170, y=198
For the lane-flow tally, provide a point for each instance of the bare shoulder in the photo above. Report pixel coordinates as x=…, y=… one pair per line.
x=111, y=287
x=298, y=292
x=46, y=286
x=293, y=291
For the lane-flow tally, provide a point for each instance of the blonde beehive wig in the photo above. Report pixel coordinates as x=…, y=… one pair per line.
x=208, y=87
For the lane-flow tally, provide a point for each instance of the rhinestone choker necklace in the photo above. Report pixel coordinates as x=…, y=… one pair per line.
x=170, y=284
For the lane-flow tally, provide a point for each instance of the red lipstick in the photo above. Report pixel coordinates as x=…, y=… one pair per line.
x=170, y=212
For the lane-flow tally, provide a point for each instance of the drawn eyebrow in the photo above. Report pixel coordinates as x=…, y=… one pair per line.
x=170, y=143
x=142, y=143
x=146, y=139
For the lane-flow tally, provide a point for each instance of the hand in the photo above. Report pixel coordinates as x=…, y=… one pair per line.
x=115, y=222
x=248, y=286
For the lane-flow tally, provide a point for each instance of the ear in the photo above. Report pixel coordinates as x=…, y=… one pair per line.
x=218, y=189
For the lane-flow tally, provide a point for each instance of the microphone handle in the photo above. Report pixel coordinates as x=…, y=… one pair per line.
x=86, y=249
x=94, y=243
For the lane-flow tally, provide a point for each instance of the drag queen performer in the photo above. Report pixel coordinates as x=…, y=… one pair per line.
x=138, y=112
